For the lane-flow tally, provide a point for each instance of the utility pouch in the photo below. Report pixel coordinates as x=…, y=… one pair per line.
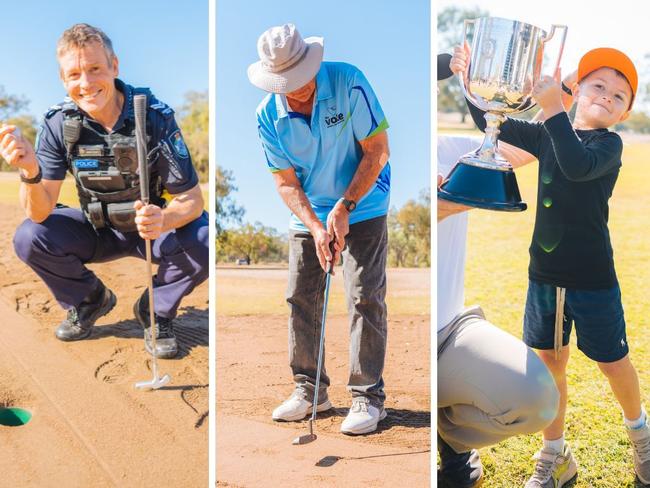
x=102, y=181
x=95, y=213
x=122, y=216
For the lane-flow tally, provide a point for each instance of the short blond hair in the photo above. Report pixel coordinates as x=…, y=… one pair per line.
x=80, y=35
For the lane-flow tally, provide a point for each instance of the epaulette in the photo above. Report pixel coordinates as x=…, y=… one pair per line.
x=52, y=110
x=154, y=104
x=163, y=108
x=67, y=107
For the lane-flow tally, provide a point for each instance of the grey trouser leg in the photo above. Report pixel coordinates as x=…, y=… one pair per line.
x=491, y=386
x=364, y=272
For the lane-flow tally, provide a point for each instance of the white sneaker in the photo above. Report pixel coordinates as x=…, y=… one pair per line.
x=296, y=407
x=362, y=417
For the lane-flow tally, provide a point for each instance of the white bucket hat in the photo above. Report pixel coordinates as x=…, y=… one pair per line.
x=287, y=61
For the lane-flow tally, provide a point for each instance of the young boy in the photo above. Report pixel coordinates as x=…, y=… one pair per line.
x=571, y=267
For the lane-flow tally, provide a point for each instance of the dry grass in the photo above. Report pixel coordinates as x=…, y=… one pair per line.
x=260, y=291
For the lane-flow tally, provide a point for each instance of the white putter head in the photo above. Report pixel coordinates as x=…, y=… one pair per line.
x=154, y=384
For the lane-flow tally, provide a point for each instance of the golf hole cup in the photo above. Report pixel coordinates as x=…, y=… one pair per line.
x=14, y=417
x=506, y=58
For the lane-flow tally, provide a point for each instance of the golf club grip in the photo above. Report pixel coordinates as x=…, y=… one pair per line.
x=140, y=110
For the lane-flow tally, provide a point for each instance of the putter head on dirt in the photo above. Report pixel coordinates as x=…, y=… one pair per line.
x=154, y=383
x=304, y=439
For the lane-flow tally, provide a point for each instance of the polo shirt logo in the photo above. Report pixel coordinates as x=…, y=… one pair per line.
x=333, y=118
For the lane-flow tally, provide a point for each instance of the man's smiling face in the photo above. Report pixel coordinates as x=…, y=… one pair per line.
x=88, y=76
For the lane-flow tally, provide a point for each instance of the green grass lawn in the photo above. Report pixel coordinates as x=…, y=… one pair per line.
x=497, y=261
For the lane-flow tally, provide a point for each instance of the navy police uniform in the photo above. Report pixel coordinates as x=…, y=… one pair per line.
x=104, y=165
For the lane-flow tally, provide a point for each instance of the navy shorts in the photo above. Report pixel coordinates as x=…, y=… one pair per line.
x=598, y=317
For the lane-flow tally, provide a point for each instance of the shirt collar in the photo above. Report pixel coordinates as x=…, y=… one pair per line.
x=127, y=112
x=281, y=107
x=323, y=84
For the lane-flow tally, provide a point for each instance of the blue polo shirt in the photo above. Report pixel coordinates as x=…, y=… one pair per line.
x=174, y=165
x=324, y=149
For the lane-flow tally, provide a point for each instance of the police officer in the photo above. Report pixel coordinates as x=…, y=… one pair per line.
x=92, y=136
x=324, y=136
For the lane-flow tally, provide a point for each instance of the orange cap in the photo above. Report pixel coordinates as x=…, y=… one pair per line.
x=607, y=57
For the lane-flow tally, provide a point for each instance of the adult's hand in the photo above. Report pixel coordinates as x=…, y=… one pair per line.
x=322, y=240
x=447, y=208
x=338, y=226
x=148, y=220
x=17, y=151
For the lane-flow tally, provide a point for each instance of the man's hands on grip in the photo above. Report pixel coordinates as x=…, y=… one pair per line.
x=149, y=220
x=17, y=151
x=338, y=226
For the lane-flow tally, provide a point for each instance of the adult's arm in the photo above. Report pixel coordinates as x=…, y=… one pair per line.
x=291, y=191
x=375, y=156
x=36, y=199
x=151, y=220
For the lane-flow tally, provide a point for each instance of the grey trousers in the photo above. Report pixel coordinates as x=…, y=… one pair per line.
x=491, y=386
x=364, y=273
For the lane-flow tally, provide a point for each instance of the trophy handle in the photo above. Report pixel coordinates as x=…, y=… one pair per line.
x=550, y=36
x=461, y=75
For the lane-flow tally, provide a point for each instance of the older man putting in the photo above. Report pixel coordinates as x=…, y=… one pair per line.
x=324, y=137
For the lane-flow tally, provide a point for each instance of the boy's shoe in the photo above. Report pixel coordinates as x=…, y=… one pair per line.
x=459, y=470
x=166, y=345
x=80, y=320
x=641, y=444
x=296, y=407
x=362, y=417
x=553, y=469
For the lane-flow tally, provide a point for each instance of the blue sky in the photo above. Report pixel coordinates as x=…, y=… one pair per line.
x=160, y=44
x=389, y=41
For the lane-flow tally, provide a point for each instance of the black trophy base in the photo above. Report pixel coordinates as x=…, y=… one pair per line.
x=481, y=187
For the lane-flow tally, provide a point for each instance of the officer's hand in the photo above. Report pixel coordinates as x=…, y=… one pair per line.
x=149, y=220
x=17, y=151
x=338, y=226
x=322, y=241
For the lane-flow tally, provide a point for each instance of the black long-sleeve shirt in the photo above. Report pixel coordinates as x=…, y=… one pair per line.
x=577, y=172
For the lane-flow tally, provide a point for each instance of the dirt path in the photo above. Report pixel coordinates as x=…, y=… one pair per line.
x=329, y=461
x=253, y=377
x=90, y=426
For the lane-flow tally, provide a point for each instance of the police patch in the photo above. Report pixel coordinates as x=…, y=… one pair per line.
x=177, y=142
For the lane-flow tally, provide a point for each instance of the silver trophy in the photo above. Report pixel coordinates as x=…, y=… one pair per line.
x=506, y=61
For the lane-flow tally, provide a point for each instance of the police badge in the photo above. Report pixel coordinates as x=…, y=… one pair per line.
x=177, y=142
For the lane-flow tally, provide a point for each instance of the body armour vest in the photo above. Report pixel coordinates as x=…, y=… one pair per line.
x=105, y=169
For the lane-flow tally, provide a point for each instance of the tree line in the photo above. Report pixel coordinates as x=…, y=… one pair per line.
x=239, y=242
